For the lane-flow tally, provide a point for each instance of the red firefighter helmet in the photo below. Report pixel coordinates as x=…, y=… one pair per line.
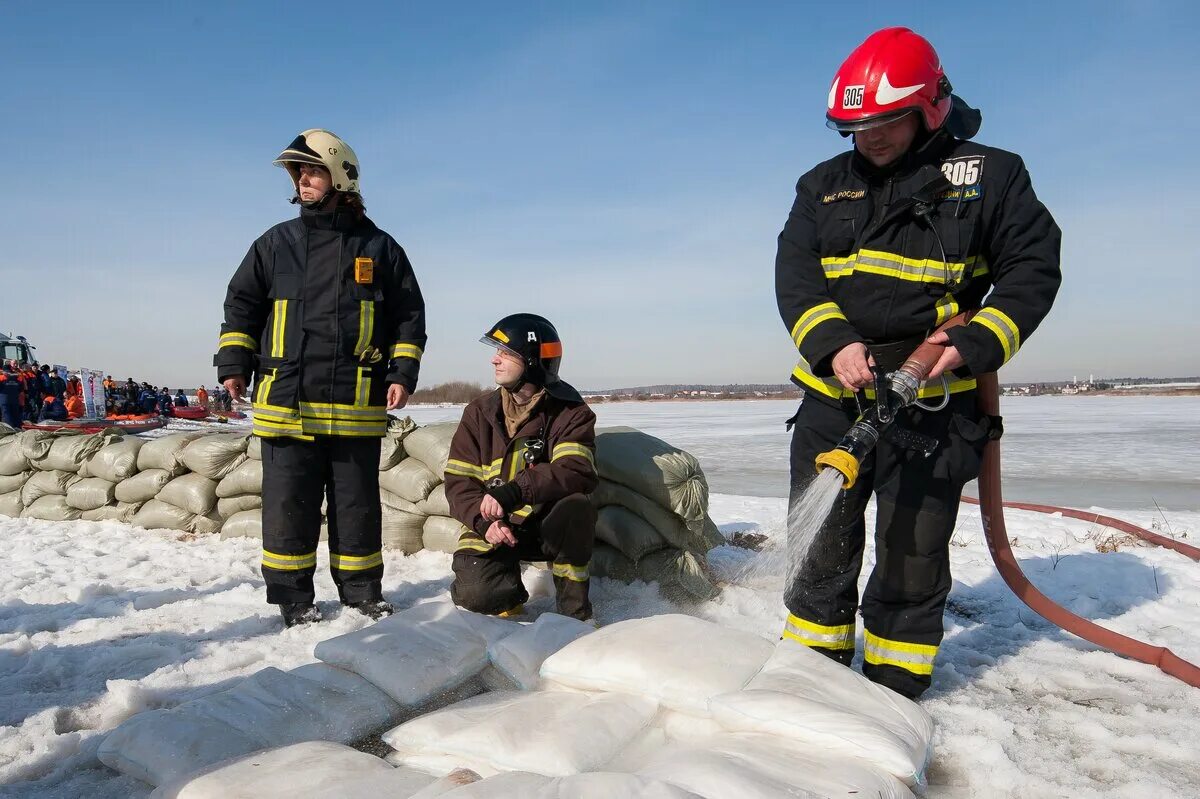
x=892, y=73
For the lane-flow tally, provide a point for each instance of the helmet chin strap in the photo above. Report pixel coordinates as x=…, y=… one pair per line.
x=314, y=205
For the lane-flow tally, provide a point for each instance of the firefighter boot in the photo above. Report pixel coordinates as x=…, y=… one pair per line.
x=299, y=613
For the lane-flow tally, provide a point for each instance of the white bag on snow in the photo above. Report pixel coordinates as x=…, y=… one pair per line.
x=545, y=732
x=116, y=460
x=519, y=656
x=215, y=456
x=68, y=452
x=42, y=484
x=90, y=493
x=419, y=653
x=11, y=504
x=310, y=769
x=755, y=767
x=244, y=479
x=805, y=697
x=13, y=482
x=593, y=785
x=143, y=486
x=270, y=708
x=193, y=492
x=51, y=508
x=166, y=453
x=678, y=660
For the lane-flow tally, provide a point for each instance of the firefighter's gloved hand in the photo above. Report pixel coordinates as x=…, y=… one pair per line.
x=489, y=508
x=507, y=495
x=852, y=366
x=500, y=533
x=950, y=359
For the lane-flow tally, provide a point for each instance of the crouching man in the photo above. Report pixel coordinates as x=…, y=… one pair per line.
x=521, y=466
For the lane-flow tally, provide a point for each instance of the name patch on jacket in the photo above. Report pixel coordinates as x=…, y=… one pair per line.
x=844, y=194
x=965, y=174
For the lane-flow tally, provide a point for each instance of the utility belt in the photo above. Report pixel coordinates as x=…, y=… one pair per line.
x=889, y=355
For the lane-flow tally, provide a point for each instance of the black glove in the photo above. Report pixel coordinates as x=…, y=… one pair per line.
x=508, y=495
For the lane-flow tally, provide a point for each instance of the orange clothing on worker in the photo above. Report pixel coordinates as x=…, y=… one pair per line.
x=74, y=387
x=75, y=406
x=202, y=397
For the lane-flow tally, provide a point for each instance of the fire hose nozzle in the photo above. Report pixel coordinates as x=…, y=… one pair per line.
x=841, y=460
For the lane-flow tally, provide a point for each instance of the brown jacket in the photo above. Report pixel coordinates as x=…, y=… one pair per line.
x=483, y=457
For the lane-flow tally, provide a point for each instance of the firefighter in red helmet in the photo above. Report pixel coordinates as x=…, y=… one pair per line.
x=913, y=225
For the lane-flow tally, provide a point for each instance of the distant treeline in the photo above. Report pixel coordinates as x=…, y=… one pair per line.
x=457, y=392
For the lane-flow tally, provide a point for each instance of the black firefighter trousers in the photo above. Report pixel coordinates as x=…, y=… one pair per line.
x=917, y=502
x=297, y=475
x=563, y=534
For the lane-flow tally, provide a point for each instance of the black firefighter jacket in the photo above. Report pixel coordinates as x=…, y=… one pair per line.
x=886, y=256
x=325, y=311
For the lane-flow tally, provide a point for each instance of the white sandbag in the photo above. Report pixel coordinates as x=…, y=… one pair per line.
x=436, y=504
x=402, y=530
x=608, y=562
x=116, y=460
x=310, y=769
x=698, y=537
x=11, y=504
x=166, y=453
x=652, y=467
x=193, y=492
x=680, y=661
x=51, y=508
x=519, y=656
x=34, y=444
x=246, y=524
x=545, y=732
x=441, y=533
x=431, y=445
x=410, y=479
x=391, y=446
x=159, y=515
x=628, y=533
x=397, y=502
x=246, y=478
x=7, y=430
x=143, y=486
x=117, y=512
x=254, y=448
x=68, y=452
x=418, y=653
x=14, y=482
x=12, y=456
x=228, y=506
x=593, y=785
x=755, y=767
x=269, y=708
x=205, y=525
x=215, y=456
x=90, y=493
x=802, y=696
x=42, y=484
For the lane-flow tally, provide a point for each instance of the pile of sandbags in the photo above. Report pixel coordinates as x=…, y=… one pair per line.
x=652, y=499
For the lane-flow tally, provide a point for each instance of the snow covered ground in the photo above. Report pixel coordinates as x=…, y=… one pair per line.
x=100, y=621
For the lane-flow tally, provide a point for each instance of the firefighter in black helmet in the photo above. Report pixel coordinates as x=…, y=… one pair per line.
x=326, y=314
x=521, y=466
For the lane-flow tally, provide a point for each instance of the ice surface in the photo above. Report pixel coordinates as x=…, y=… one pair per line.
x=99, y=621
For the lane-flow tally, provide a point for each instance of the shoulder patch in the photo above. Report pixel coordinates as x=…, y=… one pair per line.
x=844, y=194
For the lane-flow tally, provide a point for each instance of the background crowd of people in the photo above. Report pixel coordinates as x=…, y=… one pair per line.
x=36, y=393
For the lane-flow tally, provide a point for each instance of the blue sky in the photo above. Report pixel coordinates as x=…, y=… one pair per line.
x=622, y=168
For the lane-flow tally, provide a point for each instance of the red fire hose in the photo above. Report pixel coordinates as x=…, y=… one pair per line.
x=992, y=506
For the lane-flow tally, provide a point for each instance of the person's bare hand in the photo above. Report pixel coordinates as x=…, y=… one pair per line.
x=489, y=508
x=236, y=386
x=949, y=360
x=852, y=366
x=500, y=533
x=397, y=396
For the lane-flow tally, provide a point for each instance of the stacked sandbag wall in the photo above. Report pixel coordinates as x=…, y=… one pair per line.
x=652, y=500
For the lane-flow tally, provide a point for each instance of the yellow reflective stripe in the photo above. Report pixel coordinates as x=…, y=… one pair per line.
x=237, y=340
x=945, y=308
x=407, y=351
x=282, y=427
x=1002, y=325
x=278, y=326
x=353, y=563
x=887, y=264
x=362, y=390
x=522, y=511
x=577, y=574
x=813, y=317
x=339, y=427
x=569, y=449
x=916, y=658
x=366, y=325
x=273, y=560
x=263, y=390
x=810, y=633
x=477, y=471
x=832, y=388
x=349, y=413
x=468, y=540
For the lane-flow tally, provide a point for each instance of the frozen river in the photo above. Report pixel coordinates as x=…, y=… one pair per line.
x=1114, y=452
